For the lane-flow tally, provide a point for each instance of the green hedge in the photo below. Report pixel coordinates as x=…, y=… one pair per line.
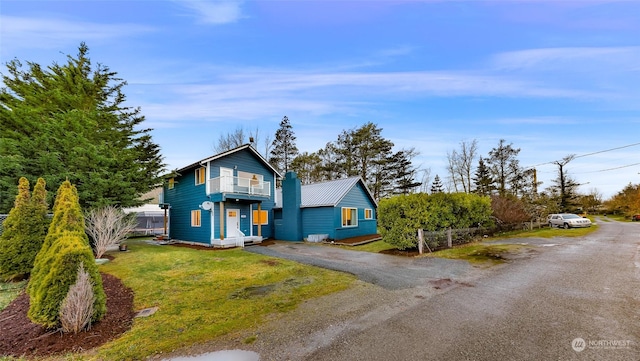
x=400, y=217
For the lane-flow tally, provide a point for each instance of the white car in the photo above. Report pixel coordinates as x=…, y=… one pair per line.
x=568, y=220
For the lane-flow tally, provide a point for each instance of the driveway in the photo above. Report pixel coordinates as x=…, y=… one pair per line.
x=389, y=272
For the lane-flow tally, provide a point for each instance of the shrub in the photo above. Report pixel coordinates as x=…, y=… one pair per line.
x=400, y=217
x=63, y=259
x=108, y=226
x=76, y=310
x=24, y=231
x=65, y=247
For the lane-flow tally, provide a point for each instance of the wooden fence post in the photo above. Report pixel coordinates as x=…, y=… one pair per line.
x=449, y=240
x=420, y=239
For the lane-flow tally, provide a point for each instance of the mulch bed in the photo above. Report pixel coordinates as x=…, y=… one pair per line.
x=20, y=337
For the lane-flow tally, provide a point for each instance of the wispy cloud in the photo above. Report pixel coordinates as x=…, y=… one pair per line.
x=51, y=33
x=214, y=11
x=570, y=58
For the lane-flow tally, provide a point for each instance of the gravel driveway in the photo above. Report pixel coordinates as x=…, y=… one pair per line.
x=389, y=272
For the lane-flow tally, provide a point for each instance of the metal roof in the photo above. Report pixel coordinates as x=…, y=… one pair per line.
x=324, y=194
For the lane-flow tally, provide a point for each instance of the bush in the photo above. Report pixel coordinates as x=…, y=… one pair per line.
x=400, y=217
x=65, y=247
x=76, y=310
x=24, y=231
x=63, y=259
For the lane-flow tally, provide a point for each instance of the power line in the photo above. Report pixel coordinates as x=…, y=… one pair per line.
x=608, y=150
x=608, y=169
x=598, y=152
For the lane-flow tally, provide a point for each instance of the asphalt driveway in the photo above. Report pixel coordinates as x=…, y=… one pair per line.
x=389, y=272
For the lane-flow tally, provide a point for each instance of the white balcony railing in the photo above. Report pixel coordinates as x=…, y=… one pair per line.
x=239, y=185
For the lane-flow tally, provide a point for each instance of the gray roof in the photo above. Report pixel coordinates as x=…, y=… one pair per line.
x=324, y=194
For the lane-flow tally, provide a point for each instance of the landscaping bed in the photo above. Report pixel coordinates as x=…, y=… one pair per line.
x=20, y=337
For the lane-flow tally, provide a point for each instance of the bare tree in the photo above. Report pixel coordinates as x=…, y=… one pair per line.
x=230, y=140
x=461, y=165
x=425, y=180
x=76, y=309
x=108, y=226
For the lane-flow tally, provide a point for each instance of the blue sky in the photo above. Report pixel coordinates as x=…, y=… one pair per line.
x=552, y=77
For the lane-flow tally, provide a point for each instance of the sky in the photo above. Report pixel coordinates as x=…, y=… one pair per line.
x=553, y=78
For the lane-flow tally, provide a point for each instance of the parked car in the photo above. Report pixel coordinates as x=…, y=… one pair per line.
x=568, y=220
x=636, y=217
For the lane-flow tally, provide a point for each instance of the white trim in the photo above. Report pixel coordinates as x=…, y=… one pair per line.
x=365, y=213
x=352, y=218
x=207, y=176
x=212, y=215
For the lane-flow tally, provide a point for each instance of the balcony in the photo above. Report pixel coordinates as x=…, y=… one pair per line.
x=238, y=185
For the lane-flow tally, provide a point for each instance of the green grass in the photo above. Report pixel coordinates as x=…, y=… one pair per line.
x=9, y=291
x=202, y=294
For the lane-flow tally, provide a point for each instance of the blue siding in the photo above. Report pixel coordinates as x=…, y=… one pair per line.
x=186, y=196
x=245, y=161
x=183, y=198
x=355, y=198
x=328, y=220
x=318, y=220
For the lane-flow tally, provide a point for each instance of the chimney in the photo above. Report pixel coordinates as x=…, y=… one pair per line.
x=291, y=213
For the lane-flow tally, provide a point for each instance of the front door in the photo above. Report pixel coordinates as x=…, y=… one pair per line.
x=233, y=222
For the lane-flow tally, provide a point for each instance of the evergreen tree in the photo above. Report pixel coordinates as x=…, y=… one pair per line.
x=307, y=167
x=436, y=186
x=284, y=147
x=66, y=246
x=482, y=179
x=69, y=122
x=24, y=231
x=404, y=172
x=503, y=163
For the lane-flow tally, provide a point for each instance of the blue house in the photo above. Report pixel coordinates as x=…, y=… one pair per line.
x=336, y=210
x=222, y=201
x=229, y=200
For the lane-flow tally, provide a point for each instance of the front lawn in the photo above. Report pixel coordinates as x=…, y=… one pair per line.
x=204, y=294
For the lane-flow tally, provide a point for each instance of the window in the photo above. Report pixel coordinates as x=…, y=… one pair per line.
x=368, y=213
x=349, y=217
x=263, y=218
x=200, y=176
x=195, y=218
x=172, y=183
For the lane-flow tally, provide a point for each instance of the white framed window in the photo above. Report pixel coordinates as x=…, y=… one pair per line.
x=200, y=175
x=349, y=217
x=172, y=183
x=196, y=219
x=368, y=213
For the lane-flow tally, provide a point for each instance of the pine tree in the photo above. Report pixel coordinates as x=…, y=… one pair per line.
x=482, y=179
x=70, y=122
x=436, y=186
x=284, y=147
x=66, y=246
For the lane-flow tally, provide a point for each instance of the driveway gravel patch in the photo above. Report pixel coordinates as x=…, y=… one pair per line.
x=389, y=272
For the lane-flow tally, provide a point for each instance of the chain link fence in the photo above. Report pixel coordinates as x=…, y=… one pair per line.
x=2, y=218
